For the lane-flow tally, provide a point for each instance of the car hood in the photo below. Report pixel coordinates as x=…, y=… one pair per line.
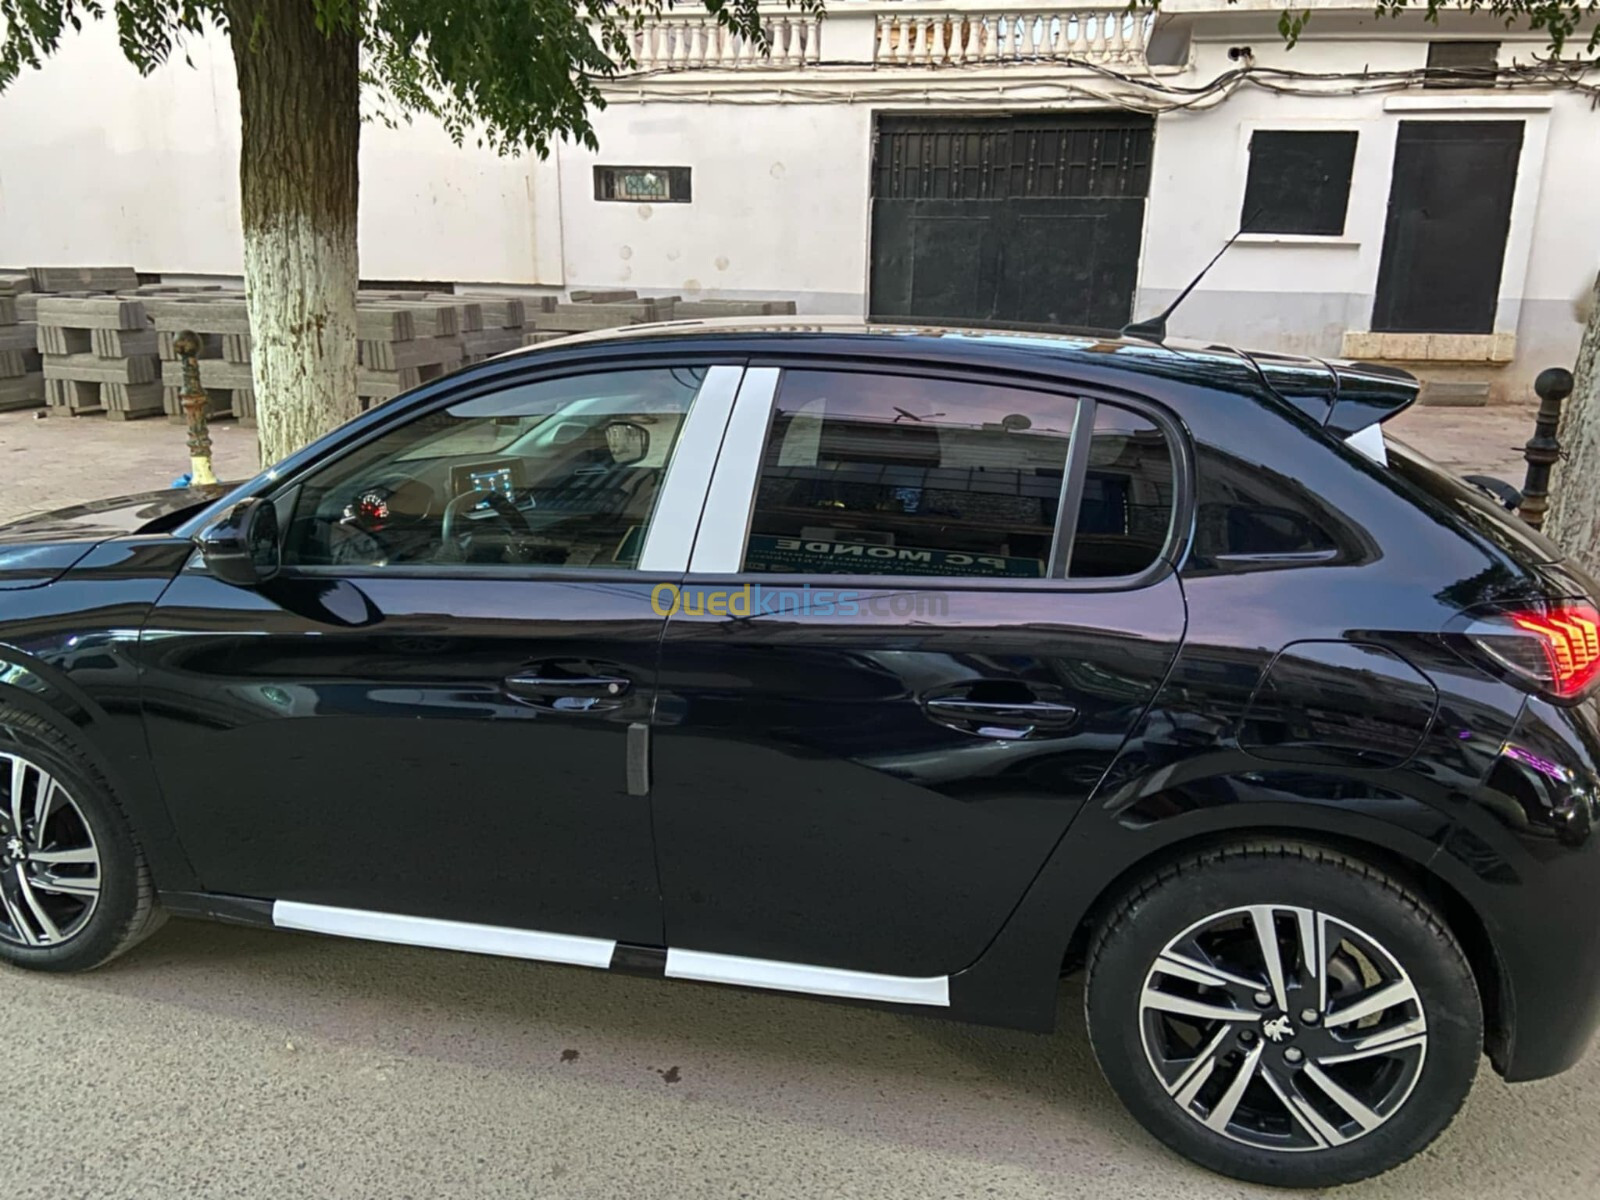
x=42, y=546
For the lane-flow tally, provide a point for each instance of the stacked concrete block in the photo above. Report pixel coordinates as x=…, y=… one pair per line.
x=403, y=343
x=588, y=315
x=21, y=368
x=221, y=322
x=98, y=356
x=83, y=279
x=502, y=321
x=714, y=309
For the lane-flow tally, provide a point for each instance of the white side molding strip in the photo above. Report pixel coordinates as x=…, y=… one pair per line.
x=799, y=977
x=444, y=935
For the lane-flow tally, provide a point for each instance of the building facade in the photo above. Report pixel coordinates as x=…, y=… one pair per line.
x=1402, y=191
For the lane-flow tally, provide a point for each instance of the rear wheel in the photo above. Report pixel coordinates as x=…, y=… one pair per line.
x=74, y=887
x=1284, y=1014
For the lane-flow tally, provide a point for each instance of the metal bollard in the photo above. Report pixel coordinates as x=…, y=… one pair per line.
x=1553, y=385
x=195, y=405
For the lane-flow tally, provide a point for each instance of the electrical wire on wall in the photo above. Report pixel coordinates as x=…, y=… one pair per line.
x=1138, y=92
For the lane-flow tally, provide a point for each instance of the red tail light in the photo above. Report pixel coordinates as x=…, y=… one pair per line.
x=1555, y=646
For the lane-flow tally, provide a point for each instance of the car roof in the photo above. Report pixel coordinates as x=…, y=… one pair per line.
x=1021, y=347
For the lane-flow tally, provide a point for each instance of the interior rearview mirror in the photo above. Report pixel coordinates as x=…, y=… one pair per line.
x=629, y=443
x=242, y=548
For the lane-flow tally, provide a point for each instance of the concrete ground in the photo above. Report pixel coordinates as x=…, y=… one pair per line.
x=223, y=1062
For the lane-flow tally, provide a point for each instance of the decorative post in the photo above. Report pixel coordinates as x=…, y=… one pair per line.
x=195, y=403
x=1553, y=385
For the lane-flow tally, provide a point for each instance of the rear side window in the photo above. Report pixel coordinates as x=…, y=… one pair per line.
x=1126, y=514
x=900, y=475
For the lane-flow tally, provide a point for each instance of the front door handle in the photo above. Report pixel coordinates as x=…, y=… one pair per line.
x=1002, y=719
x=569, y=693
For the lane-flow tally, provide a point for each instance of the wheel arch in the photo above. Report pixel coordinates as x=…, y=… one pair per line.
x=1459, y=914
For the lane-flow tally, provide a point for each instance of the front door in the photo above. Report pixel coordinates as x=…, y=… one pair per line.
x=883, y=698
x=430, y=711
x=1449, y=212
x=1022, y=219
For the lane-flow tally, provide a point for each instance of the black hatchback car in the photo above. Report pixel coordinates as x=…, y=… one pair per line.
x=914, y=667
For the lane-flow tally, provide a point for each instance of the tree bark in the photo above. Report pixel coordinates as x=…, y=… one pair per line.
x=1573, y=520
x=299, y=100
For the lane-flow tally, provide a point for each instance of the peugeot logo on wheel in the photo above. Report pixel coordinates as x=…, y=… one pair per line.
x=1278, y=1028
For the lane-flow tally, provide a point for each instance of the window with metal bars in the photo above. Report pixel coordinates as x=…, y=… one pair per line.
x=642, y=185
x=1013, y=158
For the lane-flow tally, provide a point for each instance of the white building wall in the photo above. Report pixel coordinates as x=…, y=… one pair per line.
x=1301, y=294
x=779, y=210
x=100, y=166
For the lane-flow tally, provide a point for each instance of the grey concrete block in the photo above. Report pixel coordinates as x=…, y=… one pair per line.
x=375, y=323
x=15, y=284
x=1454, y=394
x=120, y=343
x=488, y=342
x=22, y=336
x=91, y=312
x=76, y=396
x=91, y=368
x=201, y=314
x=130, y=402
x=20, y=362
x=28, y=307
x=236, y=347
x=25, y=391
x=711, y=309
x=600, y=296
x=577, y=318
x=88, y=279
x=8, y=310
x=535, y=337
x=381, y=385
x=52, y=339
x=501, y=312
x=419, y=352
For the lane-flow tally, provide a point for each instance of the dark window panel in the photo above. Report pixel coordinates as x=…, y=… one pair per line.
x=1299, y=181
x=1461, y=64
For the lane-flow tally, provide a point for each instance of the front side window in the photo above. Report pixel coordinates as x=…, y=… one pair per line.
x=561, y=472
x=900, y=475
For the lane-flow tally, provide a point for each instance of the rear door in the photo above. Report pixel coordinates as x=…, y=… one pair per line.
x=881, y=697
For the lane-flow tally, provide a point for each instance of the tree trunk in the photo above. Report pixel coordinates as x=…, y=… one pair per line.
x=1574, y=517
x=299, y=100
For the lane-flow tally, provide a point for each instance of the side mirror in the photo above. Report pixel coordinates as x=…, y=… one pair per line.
x=243, y=547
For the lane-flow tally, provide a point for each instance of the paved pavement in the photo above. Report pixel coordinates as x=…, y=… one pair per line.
x=223, y=1062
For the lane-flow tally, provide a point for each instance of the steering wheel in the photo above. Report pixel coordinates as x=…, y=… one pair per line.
x=454, y=543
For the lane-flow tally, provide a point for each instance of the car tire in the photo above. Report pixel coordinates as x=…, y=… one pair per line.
x=1318, y=1080
x=77, y=892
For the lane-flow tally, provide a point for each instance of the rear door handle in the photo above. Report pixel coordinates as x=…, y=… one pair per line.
x=569, y=693
x=1000, y=719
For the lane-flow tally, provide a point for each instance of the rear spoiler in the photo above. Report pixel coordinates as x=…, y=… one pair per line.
x=1344, y=398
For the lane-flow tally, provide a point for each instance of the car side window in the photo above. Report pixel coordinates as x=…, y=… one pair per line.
x=559, y=472
x=903, y=475
x=1126, y=515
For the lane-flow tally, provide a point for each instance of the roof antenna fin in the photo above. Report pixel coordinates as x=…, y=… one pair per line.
x=1155, y=328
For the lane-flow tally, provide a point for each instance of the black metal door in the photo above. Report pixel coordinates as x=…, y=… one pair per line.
x=1449, y=212
x=1025, y=219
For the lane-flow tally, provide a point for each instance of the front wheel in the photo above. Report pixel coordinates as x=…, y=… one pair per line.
x=75, y=891
x=1284, y=1014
